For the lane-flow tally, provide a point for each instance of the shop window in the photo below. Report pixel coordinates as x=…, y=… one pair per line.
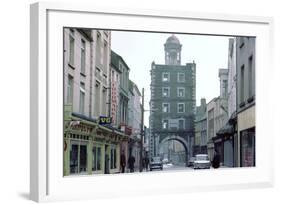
x=113, y=158
x=78, y=158
x=96, y=165
x=247, y=147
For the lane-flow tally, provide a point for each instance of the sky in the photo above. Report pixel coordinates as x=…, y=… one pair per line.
x=140, y=49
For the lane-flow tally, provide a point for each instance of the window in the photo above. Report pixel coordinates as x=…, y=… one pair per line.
x=104, y=103
x=181, y=92
x=70, y=89
x=165, y=124
x=105, y=48
x=83, y=56
x=71, y=48
x=242, y=85
x=78, y=158
x=82, y=98
x=165, y=77
x=99, y=49
x=224, y=88
x=181, y=124
x=96, y=158
x=247, y=144
x=166, y=92
x=181, y=108
x=250, y=76
x=181, y=77
x=166, y=107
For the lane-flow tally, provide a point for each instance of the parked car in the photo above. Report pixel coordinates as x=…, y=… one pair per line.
x=202, y=162
x=156, y=163
x=191, y=162
x=165, y=161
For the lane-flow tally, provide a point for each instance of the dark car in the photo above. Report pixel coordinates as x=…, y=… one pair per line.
x=156, y=163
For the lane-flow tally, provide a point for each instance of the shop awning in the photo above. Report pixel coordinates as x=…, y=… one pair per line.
x=227, y=129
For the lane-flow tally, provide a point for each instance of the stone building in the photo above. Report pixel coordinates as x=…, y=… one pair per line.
x=134, y=121
x=200, y=143
x=89, y=147
x=172, y=101
x=245, y=54
x=217, y=116
x=228, y=133
x=122, y=112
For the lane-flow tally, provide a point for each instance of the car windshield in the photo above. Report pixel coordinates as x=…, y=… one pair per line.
x=202, y=157
x=156, y=159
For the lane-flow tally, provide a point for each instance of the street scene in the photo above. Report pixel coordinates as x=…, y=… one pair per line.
x=138, y=102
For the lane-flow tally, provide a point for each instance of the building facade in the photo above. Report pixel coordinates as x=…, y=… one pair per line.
x=200, y=144
x=172, y=102
x=89, y=148
x=122, y=113
x=245, y=54
x=135, y=121
x=228, y=133
x=217, y=116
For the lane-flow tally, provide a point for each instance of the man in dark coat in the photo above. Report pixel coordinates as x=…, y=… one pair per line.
x=131, y=162
x=123, y=162
x=216, y=160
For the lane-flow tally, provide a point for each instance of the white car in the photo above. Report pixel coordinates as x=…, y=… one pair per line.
x=202, y=162
x=156, y=163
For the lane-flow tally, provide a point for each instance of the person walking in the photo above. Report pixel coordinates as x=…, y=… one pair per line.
x=123, y=161
x=146, y=163
x=131, y=162
x=216, y=159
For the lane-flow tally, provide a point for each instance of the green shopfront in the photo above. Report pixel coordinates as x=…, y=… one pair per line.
x=90, y=148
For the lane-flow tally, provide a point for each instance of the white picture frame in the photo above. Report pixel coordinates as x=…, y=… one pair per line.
x=46, y=176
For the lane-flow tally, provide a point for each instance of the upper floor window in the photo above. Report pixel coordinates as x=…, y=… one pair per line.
x=165, y=124
x=181, y=124
x=181, y=77
x=82, y=98
x=181, y=108
x=165, y=77
x=166, y=107
x=71, y=48
x=70, y=89
x=250, y=76
x=83, y=56
x=242, y=84
x=166, y=92
x=181, y=92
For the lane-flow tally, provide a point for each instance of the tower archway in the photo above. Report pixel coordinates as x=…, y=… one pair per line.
x=180, y=140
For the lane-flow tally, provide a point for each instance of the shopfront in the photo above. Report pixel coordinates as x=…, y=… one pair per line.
x=90, y=148
x=247, y=147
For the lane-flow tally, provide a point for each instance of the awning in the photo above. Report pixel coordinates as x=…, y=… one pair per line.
x=227, y=129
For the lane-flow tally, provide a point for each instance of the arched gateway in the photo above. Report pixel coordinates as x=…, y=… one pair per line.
x=179, y=139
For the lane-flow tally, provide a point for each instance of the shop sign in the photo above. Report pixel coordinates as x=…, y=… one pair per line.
x=104, y=120
x=82, y=128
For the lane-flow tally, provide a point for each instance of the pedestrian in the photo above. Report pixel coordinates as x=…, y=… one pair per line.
x=146, y=163
x=216, y=159
x=123, y=161
x=131, y=162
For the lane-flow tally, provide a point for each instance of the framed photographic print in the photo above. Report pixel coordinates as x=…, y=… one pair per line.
x=128, y=101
